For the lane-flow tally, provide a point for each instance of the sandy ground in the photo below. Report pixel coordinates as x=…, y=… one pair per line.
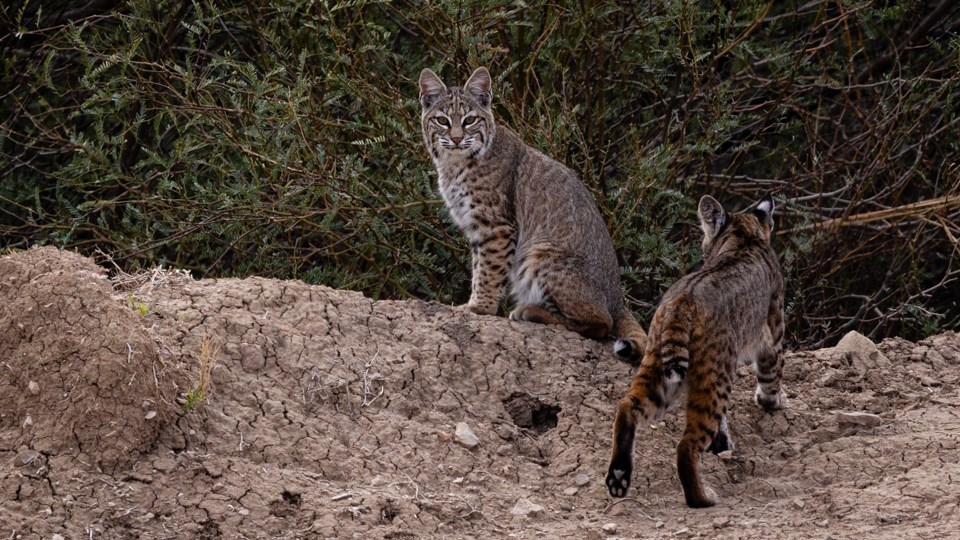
x=329, y=415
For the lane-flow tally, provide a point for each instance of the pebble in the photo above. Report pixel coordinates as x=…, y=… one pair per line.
x=659, y=525
x=566, y=507
x=243, y=512
x=609, y=528
x=799, y=504
x=570, y=491
x=859, y=418
x=251, y=358
x=682, y=532
x=465, y=436
x=34, y=388
x=28, y=421
x=26, y=457
x=525, y=507
x=150, y=414
x=721, y=522
x=581, y=480
x=823, y=523
x=57, y=537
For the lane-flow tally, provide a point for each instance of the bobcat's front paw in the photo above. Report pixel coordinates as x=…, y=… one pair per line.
x=618, y=476
x=534, y=314
x=477, y=308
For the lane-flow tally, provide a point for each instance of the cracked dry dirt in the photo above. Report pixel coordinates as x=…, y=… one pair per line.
x=331, y=416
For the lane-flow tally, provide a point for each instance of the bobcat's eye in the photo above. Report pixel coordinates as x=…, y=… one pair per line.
x=442, y=121
x=469, y=121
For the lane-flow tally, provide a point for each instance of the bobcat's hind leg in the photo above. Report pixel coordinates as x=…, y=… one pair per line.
x=721, y=441
x=709, y=390
x=644, y=401
x=769, y=370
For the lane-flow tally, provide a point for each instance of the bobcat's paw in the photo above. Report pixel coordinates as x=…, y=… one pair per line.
x=477, y=308
x=618, y=477
x=708, y=499
x=770, y=402
x=721, y=443
x=531, y=313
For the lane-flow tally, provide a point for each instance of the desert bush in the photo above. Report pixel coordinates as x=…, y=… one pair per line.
x=281, y=138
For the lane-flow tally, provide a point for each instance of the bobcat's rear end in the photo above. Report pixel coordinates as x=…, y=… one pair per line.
x=730, y=310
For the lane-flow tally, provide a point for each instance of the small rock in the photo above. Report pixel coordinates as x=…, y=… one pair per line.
x=581, y=480
x=682, y=532
x=465, y=436
x=609, y=528
x=444, y=436
x=26, y=457
x=57, y=537
x=859, y=418
x=526, y=508
x=823, y=523
x=28, y=421
x=566, y=507
x=799, y=504
x=34, y=388
x=340, y=497
x=150, y=415
x=457, y=480
x=251, y=358
x=726, y=455
x=659, y=524
x=721, y=522
x=243, y=512
x=862, y=352
x=570, y=491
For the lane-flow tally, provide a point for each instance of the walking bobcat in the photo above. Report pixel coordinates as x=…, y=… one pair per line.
x=728, y=311
x=528, y=218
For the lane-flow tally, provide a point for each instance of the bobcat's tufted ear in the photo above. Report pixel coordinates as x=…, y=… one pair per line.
x=712, y=216
x=479, y=87
x=763, y=209
x=431, y=88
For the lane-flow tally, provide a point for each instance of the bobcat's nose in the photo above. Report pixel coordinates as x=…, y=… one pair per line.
x=456, y=140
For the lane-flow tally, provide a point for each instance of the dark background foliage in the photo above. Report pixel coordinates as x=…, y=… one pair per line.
x=281, y=138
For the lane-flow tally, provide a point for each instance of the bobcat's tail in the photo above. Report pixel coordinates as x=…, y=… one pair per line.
x=631, y=339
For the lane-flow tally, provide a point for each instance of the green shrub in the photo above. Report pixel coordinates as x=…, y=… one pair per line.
x=282, y=138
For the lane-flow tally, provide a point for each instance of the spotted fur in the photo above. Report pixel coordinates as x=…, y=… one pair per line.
x=728, y=311
x=529, y=220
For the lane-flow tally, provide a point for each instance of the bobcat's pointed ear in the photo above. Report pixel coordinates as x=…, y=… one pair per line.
x=763, y=209
x=712, y=216
x=479, y=87
x=431, y=88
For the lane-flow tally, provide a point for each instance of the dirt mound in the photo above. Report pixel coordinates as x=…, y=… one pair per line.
x=330, y=415
x=80, y=374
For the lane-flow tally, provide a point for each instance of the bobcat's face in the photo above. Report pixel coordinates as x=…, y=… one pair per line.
x=456, y=122
x=723, y=232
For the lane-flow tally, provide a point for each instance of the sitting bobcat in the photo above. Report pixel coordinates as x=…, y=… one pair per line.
x=728, y=311
x=528, y=218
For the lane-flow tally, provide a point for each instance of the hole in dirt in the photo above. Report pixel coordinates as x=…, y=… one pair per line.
x=530, y=413
x=291, y=498
x=286, y=507
x=388, y=512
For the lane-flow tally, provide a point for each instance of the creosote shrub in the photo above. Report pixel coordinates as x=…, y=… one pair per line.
x=282, y=138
